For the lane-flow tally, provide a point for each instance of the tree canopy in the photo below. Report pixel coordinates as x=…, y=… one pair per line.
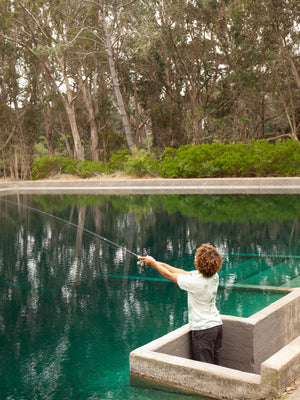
x=85, y=78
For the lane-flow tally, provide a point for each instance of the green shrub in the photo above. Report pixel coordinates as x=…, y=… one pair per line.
x=191, y=161
x=70, y=166
x=234, y=161
x=168, y=167
x=47, y=167
x=118, y=161
x=257, y=158
x=88, y=168
x=142, y=163
x=286, y=159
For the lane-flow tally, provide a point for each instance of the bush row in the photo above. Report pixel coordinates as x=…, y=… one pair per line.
x=47, y=167
x=255, y=159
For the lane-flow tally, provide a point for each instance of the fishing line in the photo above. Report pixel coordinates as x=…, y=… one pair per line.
x=71, y=224
x=139, y=263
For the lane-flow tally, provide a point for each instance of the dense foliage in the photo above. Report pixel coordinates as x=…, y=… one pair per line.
x=255, y=159
x=82, y=79
x=47, y=167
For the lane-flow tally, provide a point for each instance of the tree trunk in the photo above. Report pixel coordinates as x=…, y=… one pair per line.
x=291, y=119
x=48, y=130
x=195, y=120
x=78, y=148
x=93, y=123
x=113, y=72
x=70, y=108
x=15, y=166
x=263, y=117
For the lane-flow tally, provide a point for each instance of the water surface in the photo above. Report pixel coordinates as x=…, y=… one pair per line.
x=73, y=306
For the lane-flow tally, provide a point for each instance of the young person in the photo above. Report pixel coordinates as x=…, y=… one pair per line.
x=202, y=285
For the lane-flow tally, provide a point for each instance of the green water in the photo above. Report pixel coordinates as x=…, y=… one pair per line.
x=72, y=306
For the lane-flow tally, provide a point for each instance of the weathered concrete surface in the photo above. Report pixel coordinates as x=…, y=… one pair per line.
x=281, y=369
x=6, y=188
x=245, y=342
x=238, y=344
x=160, y=186
x=195, y=377
x=281, y=320
x=293, y=392
x=254, y=362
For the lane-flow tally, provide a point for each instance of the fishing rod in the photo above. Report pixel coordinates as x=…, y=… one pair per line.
x=139, y=263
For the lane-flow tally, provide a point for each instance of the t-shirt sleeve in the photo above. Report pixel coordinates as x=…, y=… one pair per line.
x=186, y=282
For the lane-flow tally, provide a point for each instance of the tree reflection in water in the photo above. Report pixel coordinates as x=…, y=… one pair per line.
x=72, y=307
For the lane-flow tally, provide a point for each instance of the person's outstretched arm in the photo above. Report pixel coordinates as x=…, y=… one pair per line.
x=173, y=269
x=167, y=271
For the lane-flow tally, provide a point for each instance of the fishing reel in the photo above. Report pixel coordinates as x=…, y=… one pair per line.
x=141, y=264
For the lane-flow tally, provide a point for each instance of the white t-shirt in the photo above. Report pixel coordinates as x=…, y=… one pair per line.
x=202, y=293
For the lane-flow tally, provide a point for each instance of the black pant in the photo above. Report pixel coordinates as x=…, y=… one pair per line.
x=206, y=345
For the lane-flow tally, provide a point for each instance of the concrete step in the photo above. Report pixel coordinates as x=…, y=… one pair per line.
x=292, y=284
x=244, y=270
x=278, y=275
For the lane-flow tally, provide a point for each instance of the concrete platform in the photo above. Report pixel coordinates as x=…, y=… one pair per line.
x=157, y=186
x=260, y=357
x=294, y=393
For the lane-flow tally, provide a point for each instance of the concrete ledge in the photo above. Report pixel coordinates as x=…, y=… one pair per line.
x=260, y=356
x=160, y=186
x=282, y=367
x=194, y=377
x=6, y=188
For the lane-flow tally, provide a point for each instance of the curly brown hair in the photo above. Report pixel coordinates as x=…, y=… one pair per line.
x=208, y=260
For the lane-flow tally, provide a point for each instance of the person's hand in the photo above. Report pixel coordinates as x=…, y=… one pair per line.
x=147, y=260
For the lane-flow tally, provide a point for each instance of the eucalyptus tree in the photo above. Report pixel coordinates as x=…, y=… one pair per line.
x=237, y=113
x=19, y=108
x=149, y=86
x=159, y=85
x=260, y=41
x=281, y=30
x=90, y=102
x=183, y=71
x=85, y=71
x=165, y=73
x=47, y=32
x=9, y=94
x=109, y=13
x=8, y=126
x=193, y=48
